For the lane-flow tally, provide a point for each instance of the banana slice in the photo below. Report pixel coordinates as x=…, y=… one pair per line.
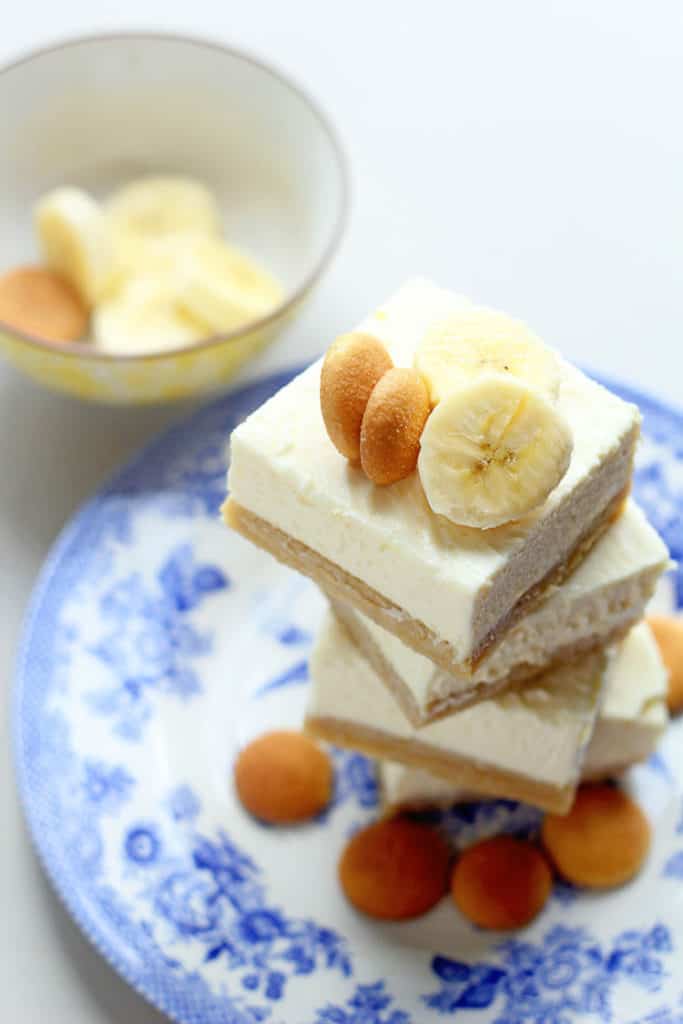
x=148, y=256
x=157, y=206
x=223, y=288
x=144, y=317
x=492, y=451
x=76, y=241
x=477, y=339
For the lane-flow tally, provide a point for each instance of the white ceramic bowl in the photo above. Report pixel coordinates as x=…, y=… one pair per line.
x=97, y=112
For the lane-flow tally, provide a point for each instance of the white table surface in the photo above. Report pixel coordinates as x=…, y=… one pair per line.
x=528, y=153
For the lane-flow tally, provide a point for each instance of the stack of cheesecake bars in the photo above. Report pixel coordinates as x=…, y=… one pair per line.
x=509, y=662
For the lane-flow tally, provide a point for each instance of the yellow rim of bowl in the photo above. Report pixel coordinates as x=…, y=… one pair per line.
x=80, y=349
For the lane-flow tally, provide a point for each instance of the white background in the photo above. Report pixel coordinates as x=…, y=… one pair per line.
x=528, y=153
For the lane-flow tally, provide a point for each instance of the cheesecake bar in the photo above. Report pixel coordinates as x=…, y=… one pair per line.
x=450, y=592
x=634, y=714
x=631, y=722
x=599, y=602
x=525, y=744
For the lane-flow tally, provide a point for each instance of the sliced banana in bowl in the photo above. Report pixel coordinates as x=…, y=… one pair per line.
x=76, y=241
x=149, y=256
x=492, y=450
x=151, y=266
x=161, y=205
x=176, y=138
x=193, y=285
x=143, y=315
x=224, y=289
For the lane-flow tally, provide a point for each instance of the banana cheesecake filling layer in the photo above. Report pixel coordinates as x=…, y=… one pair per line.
x=604, y=597
x=631, y=722
x=450, y=592
x=634, y=714
x=525, y=744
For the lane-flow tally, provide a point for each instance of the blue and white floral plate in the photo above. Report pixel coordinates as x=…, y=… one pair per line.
x=156, y=644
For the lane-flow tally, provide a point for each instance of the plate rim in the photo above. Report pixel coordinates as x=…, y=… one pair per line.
x=28, y=796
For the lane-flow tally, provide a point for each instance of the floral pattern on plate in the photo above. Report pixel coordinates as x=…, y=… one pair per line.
x=157, y=643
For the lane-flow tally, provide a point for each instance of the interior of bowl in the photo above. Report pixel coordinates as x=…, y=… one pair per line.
x=98, y=112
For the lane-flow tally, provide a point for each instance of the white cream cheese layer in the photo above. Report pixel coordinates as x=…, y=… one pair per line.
x=285, y=470
x=539, y=732
x=634, y=713
x=608, y=590
x=631, y=721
